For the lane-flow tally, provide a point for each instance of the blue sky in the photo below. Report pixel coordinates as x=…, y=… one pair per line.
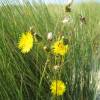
x=47, y=1
x=63, y=1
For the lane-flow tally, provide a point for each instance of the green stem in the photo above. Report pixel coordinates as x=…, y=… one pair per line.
x=43, y=74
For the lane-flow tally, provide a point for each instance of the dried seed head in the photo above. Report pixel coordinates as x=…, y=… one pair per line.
x=82, y=19
x=68, y=8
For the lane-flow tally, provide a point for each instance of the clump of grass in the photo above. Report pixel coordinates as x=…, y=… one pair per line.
x=28, y=76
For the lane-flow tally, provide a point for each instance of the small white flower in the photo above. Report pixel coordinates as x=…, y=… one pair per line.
x=66, y=20
x=45, y=47
x=50, y=36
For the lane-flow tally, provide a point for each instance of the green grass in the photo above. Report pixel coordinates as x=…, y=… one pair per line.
x=21, y=76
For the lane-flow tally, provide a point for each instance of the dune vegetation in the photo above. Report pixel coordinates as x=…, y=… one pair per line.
x=48, y=52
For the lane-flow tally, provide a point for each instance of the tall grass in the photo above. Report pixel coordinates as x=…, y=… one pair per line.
x=20, y=74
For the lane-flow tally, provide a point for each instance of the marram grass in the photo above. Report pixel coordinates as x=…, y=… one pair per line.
x=29, y=76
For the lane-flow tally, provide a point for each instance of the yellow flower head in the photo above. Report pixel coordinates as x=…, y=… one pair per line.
x=25, y=42
x=59, y=48
x=57, y=87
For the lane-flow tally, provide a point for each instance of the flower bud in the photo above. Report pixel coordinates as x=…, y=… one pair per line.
x=37, y=37
x=32, y=30
x=50, y=36
x=56, y=67
x=47, y=49
x=65, y=40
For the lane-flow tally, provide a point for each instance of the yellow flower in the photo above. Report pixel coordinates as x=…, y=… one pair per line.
x=57, y=87
x=25, y=42
x=59, y=48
